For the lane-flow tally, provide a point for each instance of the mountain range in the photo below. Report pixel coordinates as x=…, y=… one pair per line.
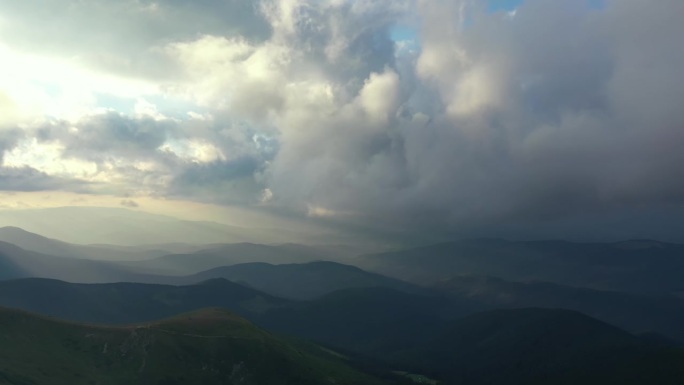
x=213, y=346
x=301, y=281
x=477, y=312
x=542, y=346
x=210, y=346
x=638, y=266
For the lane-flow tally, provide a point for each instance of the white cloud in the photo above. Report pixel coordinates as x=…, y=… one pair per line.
x=379, y=96
x=194, y=150
x=48, y=158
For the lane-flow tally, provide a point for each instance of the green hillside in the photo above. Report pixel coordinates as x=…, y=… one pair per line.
x=543, y=346
x=210, y=346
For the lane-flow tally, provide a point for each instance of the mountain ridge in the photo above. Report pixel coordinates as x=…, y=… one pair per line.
x=615, y=266
x=209, y=346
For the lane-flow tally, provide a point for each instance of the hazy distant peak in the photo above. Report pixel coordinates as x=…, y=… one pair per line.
x=217, y=282
x=18, y=231
x=471, y=278
x=642, y=244
x=12, y=229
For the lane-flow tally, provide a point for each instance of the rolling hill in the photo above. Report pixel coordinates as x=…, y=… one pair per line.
x=543, y=346
x=363, y=320
x=633, y=266
x=20, y=263
x=111, y=263
x=210, y=346
x=9, y=268
x=226, y=255
x=121, y=303
x=299, y=281
x=43, y=245
x=633, y=312
x=439, y=335
x=372, y=321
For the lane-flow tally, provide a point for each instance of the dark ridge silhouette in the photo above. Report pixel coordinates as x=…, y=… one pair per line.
x=300, y=281
x=121, y=303
x=211, y=346
x=543, y=346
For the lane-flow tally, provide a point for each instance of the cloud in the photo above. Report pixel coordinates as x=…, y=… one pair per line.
x=29, y=179
x=220, y=181
x=129, y=203
x=119, y=154
x=489, y=121
x=550, y=114
x=121, y=35
x=98, y=136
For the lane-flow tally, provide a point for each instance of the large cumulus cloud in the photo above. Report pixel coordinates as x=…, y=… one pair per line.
x=559, y=111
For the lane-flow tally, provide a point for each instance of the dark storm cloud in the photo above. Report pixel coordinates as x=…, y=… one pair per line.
x=29, y=179
x=227, y=182
x=9, y=139
x=101, y=137
x=559, y=111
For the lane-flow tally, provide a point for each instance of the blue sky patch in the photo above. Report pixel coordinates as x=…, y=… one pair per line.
x=403, y=33
x=503, y=5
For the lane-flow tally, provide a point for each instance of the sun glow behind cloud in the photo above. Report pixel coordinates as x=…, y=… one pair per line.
x=48, y=158
x=61, y=88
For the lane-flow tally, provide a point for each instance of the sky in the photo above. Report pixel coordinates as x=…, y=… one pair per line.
x=456, y=118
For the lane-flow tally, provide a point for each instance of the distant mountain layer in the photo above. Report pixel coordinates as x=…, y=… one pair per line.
x=299, y=281
x=214, y=256
x=20, y=263
x=634, y=266
x=108, y=225
x=205, y=347
x=40, y=244
x=102, y=264
x=634, y=312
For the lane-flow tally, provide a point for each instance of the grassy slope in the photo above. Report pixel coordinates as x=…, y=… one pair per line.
x=129, y=302
x=205, y=347
x=544, y=346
